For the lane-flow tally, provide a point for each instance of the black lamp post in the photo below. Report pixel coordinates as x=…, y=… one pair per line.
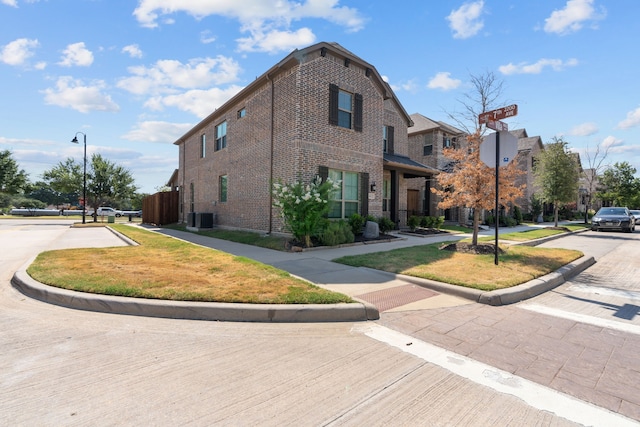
x=84, y=176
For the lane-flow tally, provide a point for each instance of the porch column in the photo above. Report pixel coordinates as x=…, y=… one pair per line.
x=395, y=196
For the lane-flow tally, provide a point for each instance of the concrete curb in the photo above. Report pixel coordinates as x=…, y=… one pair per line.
x=193, y=310
x=511, y=295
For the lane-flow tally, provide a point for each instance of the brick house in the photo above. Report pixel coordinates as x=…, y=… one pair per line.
x=427, y=140
x=319, y=111
x=528, y=148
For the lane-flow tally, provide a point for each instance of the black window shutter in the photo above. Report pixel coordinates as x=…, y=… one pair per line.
x=333, y=104
x=323, y=173
x=390, y=139
x=357, y=113
x=364, y=193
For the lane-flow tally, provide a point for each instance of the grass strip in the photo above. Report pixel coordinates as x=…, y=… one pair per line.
x=518, y=264
x=162, y=267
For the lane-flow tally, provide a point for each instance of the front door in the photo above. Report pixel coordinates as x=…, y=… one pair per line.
x=413, y=202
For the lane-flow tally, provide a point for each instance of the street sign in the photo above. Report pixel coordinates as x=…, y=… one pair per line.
x=498, y=125
x=508, y=149
x=500, y=113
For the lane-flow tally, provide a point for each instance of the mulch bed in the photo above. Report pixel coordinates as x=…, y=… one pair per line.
x=425, y=232
x=297, y=246
x=468, y=248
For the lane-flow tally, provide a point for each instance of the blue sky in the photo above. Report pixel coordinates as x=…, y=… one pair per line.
x=135, y=76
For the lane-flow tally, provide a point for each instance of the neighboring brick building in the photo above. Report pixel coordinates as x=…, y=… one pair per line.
x=528, y=148
x=427, y=140
x=320, y=111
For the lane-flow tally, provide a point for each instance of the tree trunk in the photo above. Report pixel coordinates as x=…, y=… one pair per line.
x=555, y=214
x=476, y=223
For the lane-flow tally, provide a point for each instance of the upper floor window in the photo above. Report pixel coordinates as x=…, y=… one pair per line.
x=345, y=108
x=427, y=150
x=345, y=101
x=446, y=141
x=221, y=136
x=203, y=146
x=241, y=113
x=387, y=139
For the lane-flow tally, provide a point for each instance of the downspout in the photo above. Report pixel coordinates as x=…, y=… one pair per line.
x=269, y=230
x=183, y=147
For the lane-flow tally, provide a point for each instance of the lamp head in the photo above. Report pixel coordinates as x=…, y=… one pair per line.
x=75, y=140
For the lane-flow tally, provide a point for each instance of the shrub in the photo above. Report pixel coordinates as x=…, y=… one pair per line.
x=357, y=221
x=517, y=214
x=438, y=222
x=385, y=225
x=427, y=222
x=337, y=233
x=303, y=207
x=413, y=222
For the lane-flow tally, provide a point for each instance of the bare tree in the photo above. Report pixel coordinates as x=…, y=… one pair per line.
x=485, y=95
x=595, y=162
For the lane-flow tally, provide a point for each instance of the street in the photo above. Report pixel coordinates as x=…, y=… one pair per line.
x=567, y=357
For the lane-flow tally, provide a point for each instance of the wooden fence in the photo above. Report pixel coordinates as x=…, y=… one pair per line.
x=161, y=208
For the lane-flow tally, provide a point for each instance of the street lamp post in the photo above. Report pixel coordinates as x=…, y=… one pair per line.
x=84, y=175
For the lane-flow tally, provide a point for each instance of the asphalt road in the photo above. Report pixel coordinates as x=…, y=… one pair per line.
x=65, y=367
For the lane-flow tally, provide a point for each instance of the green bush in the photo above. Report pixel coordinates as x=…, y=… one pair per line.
x=336, y=233
x=413, y=222
x=438, y=222
x=427, y=222
x=357, y=221
x=385, y=225
x=517, y=214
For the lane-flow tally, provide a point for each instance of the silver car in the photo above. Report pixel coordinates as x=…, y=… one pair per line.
x=636, y=215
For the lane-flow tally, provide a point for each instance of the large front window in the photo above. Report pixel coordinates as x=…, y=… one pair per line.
x=223, y=188
x=386, y=195
x=343, y=202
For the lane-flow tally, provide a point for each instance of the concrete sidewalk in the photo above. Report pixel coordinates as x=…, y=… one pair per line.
x=375, y=291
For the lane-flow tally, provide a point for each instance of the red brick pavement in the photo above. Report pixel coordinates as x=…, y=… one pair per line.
x=594, y=364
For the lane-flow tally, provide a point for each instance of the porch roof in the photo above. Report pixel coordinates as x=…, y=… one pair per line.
x=410, y=168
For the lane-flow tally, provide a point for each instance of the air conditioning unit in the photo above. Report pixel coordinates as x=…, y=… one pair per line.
x=204, y=220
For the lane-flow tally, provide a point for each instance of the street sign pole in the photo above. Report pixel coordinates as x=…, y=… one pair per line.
x=491, y=120
x=497, y=214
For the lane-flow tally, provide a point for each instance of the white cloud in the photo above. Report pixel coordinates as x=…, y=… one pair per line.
x=198, y=102
x=157, y=131
x=536, y=68
x=611, y=142
x=267, y=21
x=572, y=17
x=168, y=76
x=632, y=120
x=84, y=98
x=584, y=129
x=410, y=86
x=18, y=51
x=76, y=54
x=13, y=3
x=133, y=50
x=275, y=41
x=443, y=81
x=465, y=21
x=206, y=37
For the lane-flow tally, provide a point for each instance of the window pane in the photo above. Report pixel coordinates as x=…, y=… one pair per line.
x=344, y=101
x=344, y=119
x=335, y=176
x=223, y=188
x=350, y=208
x=350, y=186
x=335, y=210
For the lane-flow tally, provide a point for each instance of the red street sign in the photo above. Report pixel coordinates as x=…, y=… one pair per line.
x=498, y=125
x=500, y=113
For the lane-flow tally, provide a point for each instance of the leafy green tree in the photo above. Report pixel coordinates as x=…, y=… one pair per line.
x=556, y=173
x=621, y=187
x=12, y=179
x=65, y=178
x=106, y=181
